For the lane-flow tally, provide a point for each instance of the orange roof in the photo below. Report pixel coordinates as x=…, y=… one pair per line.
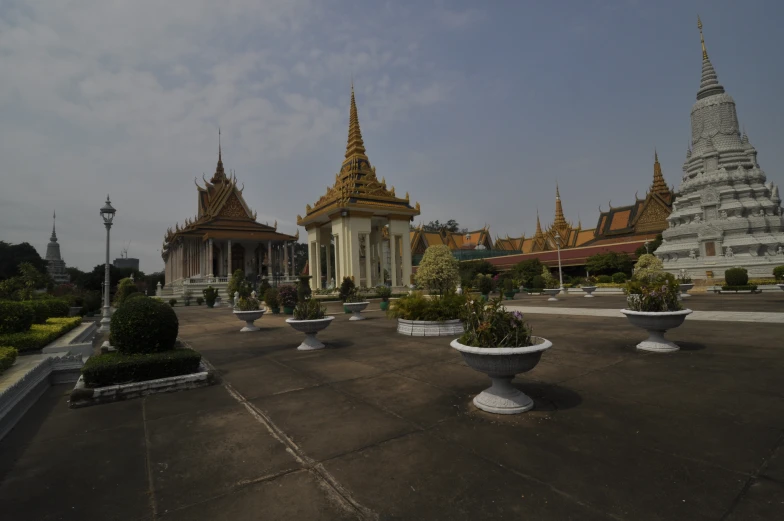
x=584, y=236
x=620, y=220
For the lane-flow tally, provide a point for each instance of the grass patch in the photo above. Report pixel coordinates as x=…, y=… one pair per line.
x=39, y=335
x=117, y=368
x=747, y=287
x=7, y=357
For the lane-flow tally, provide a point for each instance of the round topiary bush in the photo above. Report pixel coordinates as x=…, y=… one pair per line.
x=619, y=278
x=144, y=325
x=15, y=317
x=134, y=296
x=736, y=277
x=778, y=273
x=125, y=288
x=604, y=279
x=537, y=282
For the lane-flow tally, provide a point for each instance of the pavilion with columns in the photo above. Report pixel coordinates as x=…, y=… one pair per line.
x=359, y=226
x=223, y=237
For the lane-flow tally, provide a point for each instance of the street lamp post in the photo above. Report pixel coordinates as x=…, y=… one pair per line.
x=107, y=212
x=558, y=246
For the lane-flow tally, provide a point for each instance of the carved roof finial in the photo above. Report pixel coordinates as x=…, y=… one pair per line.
x=560, y=220
x=702, y=39
x=53, y=238
x=709, y=83
x=220, y=174
x=659, y=186
x=354, y=146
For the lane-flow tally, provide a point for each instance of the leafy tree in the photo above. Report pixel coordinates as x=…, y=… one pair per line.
x=12, y=255
x=652, y=246
x=527, y=270
x=151, y=281
x=609, y=263
x=74, y=274
x=93, y=280
x=470, y=269
x=438, y=270
x=436, y=226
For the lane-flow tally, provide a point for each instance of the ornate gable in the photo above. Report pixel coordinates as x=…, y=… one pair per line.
x=233, y=209
x=652, y=216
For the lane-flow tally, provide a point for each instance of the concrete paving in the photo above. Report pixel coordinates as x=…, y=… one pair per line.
x=381, y=426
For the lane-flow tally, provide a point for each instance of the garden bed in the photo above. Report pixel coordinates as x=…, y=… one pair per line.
x=115, y=376
x=39, y=335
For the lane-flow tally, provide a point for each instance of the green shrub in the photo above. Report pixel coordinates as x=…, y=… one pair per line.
x=247, y=304
x=745, y=287
x=117, y=368
x=272, y=298
x=654, y=293
x=438, y=270
x=303, y=288
x=736, y=277
x=210, y=295
x=619, y=278
x=604, y=279
x=537, y=282
x=288, y=296
x=778, y=273
x=45, y=309
x=238, y=284
x=40, y=335
x=264, y=285
x=383, y=292
x=144, y=326
x=419, y=307
x=484, y=283
x=199, y=301
x=347, y=287
x=134, y=296
x=172, y=302
x=125, y=288
x=310, y=309
x=15, y=316
x=7, y=357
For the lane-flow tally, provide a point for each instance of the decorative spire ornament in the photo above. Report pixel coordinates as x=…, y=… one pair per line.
x=355, y=146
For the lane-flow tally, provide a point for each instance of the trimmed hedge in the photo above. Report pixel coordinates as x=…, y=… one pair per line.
x=134, y=296
x=7, y=357
x=15, y=317
x=144, y=326
x=45, y=309
x=40, y=334
x=118, y=368
x=736, y=277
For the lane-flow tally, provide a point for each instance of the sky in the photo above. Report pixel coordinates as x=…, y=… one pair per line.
x=475, y=108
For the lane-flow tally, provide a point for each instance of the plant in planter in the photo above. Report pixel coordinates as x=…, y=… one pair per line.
x=384, y=292
x=347, y=287
x=355, y=302
x=498, y=343
x=199, y=301
x=210, y=294
x=509, y=288
x=418, y=315
x=238, y=284
x=310, y=318
x=484, y=283
x=684, y=284
x=272, y=299
x=652, y=304
x=172, y=302
x=550, y=284
x=247, y=310
x=439, y=270
x=288, y=298
x=589, y=286
x=303, y=288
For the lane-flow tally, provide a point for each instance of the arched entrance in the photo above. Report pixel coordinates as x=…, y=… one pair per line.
x=237, y=258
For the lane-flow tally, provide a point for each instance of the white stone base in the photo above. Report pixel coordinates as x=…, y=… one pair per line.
x=430, y=328
x=503, y=398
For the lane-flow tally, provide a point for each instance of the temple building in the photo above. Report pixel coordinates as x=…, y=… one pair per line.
x=223, y=237
x=620, y=229
x=422, y=239
x=725, y=213
x=359, y=226
x=55, y=265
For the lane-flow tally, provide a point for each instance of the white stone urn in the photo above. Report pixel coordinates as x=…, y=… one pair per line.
x=430, y=327
x=356, y=309
x=683, y=289
x=656, y=324
x=551, y=292
x=249, y=317
x=588, y=290
x=310, y=328
x=501, y=364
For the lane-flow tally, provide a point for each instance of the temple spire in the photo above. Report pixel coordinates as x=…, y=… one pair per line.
x=709, y=83
x=354, y=146
x=538, y=226
x=659, y=186
x=53, y=238
x=560, y=220
x=220, y=173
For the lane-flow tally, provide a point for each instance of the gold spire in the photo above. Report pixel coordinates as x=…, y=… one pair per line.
x=559, y=221
x=702, y=39
x=659, y=186
x=219, y=174
x=355, y=146
x=538, y=226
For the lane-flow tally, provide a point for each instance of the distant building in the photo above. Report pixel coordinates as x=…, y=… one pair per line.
x=126, y=262
x=54, y=264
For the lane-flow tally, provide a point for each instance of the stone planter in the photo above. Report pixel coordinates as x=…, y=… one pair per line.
x=781, y=286
x=430, y=328
x=249, y=317
x=356, y=309
x=288, y=310
x=551, y=292
x=384, y=305
x=501, y=364
x=310, y=328
x=588, y=290
x=656, y=324
x=509, y=294
x=684, y=288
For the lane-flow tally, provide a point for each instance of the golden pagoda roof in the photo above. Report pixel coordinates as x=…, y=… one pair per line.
x=356, y=185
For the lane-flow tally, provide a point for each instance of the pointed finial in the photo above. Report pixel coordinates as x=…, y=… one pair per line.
x=557, y=191
x=702, y=39
x=354, y=146
x=219, y=144
x=655, y=155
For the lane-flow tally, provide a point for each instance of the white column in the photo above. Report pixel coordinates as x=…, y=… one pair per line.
x=368, y=264
x=328, y=247
x=406, y=254
x=294, y=258
x=228, y=259
x=393, y=258
x=285, y=259
x=269, y=260
x=210, y=259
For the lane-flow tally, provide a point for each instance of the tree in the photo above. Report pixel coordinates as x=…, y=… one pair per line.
x=527, y=270
x=93, y=280
x=74, y=274
x=609, y=263
x=652, y=246
x=12, y=255
x=435, y=226
x=438, y=270
x=470, y=269
x=151, y=282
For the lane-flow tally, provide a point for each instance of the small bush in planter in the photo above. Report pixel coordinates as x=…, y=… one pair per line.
x=199, y=301
x=778, y=273
x=186, y=297
x=247, y=304
x=736, y=277
x=288, y=298
x=550, y=282
x=210, y=295
x=619, y=278
x=684, y=279
x=238, y=284
x=384, y=292
x=118, y=368
x=347, y=287
x=303, y=288
x=490, y=325
x=537, y=283
x=264, y=285
x=484, y=283
x=272, y=299
x=309, y=309
x=144, y=326
x=657, y=292
x=418, y=307
x=172, y=302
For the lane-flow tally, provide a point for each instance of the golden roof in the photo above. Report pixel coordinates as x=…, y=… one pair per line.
x=356, y=185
